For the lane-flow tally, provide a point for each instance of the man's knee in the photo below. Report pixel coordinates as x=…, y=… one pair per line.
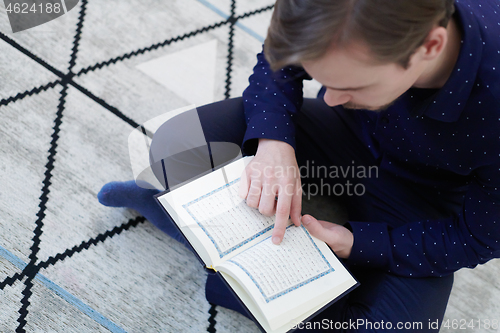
x=196, y=142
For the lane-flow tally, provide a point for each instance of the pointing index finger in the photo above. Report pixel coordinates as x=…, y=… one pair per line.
x=282, y=216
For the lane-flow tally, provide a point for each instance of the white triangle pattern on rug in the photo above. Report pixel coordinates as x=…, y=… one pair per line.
x=20, y=73
x=150, y=282
x=91, y=151
x=189, y=73
x=10, y=302
x=49, y=312
x=51, y=42
x=25, y=135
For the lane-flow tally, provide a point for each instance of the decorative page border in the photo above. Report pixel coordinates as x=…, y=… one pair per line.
x=268, y=299
x=237, y=246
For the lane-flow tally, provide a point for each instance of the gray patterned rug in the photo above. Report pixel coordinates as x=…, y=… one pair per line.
x=71, y=92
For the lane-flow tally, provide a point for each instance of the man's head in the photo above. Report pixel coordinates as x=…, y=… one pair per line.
x=367, y=52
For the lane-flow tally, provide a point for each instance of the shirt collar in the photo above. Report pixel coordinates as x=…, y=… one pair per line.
x=448, y=103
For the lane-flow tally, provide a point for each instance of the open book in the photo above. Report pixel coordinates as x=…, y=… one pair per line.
x=281, y=285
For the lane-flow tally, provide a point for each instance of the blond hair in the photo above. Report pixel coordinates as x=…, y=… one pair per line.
x=303, y=30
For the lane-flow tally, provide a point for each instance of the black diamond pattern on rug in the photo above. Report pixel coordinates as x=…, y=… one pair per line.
x=59, y=78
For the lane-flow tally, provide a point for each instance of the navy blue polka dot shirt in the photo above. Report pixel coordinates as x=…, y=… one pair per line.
x=453, y=134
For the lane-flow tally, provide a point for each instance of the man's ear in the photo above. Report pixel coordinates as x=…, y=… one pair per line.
x=434, y=44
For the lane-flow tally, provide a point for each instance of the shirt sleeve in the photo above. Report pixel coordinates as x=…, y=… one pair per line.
x=437, y=247
x=270, y=102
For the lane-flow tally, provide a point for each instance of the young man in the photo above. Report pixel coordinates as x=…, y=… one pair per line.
x=411, y=88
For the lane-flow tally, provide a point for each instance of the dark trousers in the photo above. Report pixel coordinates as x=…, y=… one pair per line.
x=325, y=137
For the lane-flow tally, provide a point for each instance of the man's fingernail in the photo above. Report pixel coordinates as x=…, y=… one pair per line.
x=306, y=220
x=276, y=240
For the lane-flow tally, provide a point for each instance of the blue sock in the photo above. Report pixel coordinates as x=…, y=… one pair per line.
x=128, y=194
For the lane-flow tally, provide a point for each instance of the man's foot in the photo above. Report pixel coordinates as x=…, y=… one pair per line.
x=128, y=194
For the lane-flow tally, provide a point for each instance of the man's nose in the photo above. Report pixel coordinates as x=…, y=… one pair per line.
x=334, y=98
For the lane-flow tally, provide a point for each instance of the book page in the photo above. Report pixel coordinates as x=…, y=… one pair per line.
x=226, y=219
x=211, y=215
x=278, y=270
x=290, y=281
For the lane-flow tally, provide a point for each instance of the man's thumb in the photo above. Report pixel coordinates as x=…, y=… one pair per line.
x=308, y=219
x=313, y=226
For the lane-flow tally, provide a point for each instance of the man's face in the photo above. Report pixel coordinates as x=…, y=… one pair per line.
x=353, y=79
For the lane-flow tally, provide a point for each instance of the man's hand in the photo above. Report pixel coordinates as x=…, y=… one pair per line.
x=271, y=183
x=339, y=238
